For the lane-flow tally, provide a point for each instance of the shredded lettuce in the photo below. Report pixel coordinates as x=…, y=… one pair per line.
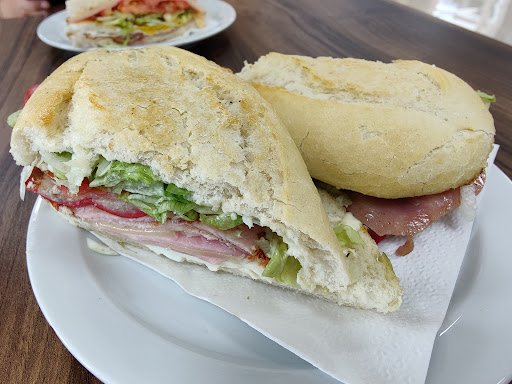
x=176, y=191
x=157, y=207
x=13, y=117
x=282, y=267
x=64, y=155
x=111, y=173
x=138, y=185
x=57, y=163
x=155, y=188
x=128, y=23
x=222, y=221
x=347, y=236
x=486, y=98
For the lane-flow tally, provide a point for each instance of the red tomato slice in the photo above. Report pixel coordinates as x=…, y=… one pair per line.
x=29, y=93
x=376, y=237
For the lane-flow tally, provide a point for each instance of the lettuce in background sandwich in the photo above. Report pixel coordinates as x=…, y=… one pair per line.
x=163, y=150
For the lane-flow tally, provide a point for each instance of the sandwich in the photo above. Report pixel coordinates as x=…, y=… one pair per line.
x=161, y=149
x=107, y=23
x=408, y=141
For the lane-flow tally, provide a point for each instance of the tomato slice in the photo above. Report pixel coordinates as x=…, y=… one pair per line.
x=42, y=184
x=377, y=238
x=29, y=93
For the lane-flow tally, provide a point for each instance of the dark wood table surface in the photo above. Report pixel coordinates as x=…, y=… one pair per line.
x=371, y=29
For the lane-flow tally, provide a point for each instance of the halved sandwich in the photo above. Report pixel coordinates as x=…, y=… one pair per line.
x=169, y=152
x=407, y=140
x=107, y=23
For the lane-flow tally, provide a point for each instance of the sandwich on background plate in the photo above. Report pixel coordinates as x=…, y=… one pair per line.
x=407, y=141
x=107, y=23
x=164, y=150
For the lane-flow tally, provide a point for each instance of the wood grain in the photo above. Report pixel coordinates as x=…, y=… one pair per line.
x=370, y=29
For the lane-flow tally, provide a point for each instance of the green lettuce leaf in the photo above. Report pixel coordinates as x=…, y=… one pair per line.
x=282, y=267
x=158, y=207
x=173, y=190
x=347, y=236
x=13, y=117
x=156, y=188
x=57, y=163
x=111, y=173
x=139, y=186
x=486, y=98
x=222, y=221
x=64, y=155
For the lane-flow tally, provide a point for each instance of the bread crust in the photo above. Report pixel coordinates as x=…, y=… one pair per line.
x=386, y=130
x=77, y=9
x=194, y=124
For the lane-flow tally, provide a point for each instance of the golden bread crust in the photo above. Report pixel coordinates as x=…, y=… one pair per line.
x=387, y=130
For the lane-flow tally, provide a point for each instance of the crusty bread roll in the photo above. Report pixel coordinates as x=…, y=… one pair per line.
x=386, y=130
x=200, y=127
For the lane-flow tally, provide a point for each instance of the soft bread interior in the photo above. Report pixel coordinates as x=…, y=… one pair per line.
x=387, y=130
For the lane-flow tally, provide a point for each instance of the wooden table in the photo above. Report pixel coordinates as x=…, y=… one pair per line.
x=370, y=29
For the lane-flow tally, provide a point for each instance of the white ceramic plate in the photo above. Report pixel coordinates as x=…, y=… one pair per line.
x=128, y=324
x=219, y=16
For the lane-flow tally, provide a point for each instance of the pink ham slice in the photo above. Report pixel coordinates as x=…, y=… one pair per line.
x=192, y=238
x=407, y=216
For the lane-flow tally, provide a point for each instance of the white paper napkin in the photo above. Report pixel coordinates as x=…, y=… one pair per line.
x=354, y=346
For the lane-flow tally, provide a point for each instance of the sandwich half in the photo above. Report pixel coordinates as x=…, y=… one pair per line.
x=107, y=23
x=163, y=150
x=406, y=139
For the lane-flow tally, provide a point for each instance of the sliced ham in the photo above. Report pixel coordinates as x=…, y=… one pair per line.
x=213, y=245
x=406, y=216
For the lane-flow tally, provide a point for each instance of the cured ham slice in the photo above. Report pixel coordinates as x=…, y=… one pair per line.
x=406, y=216
x=192, y=238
